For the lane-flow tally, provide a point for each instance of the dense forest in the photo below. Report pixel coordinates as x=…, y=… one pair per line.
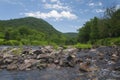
x=102, y=31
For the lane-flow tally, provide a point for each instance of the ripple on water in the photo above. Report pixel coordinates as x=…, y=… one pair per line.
x=58, y=74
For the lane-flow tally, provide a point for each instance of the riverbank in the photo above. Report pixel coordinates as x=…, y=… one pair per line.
x=91, y=61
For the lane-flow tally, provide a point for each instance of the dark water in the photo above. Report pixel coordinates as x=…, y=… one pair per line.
x=46, y=74
x=58, y=74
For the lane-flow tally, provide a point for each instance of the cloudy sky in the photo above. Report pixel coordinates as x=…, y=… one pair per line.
x=64, y=15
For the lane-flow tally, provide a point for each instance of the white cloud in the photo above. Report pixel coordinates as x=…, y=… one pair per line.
x=95, y=4
x=43, y=1
x=52, y=14
x=91, y=4
x=53, y=0
x=117, y=7
x=56, y=6
x=99, y=3
x=100, y=10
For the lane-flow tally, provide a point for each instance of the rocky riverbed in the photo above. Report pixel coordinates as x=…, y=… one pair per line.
x=102, y=63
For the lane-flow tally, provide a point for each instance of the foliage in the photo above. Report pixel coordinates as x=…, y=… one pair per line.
x=108, y=41
x=101, y=30
x=83, y=46
x=71, y=38
x=29, y=31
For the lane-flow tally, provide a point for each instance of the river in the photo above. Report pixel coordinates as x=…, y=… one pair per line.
x=58, y=74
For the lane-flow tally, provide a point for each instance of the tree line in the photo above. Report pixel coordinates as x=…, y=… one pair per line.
x=101, y=28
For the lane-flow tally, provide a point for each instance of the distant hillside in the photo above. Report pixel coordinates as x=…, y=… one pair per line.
x=71, y=38
x=30, y=22
x=30, y=30
x=71, y=35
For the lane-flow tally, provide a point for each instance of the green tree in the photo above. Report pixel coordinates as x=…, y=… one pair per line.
x=94, y=34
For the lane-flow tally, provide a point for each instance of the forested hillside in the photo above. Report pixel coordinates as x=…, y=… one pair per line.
x=102, y=31
x=29, y=31
x=71, y=38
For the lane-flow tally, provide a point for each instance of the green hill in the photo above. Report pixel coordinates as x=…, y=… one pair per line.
x=71, y=38
x=71, y=35
x=29, y=30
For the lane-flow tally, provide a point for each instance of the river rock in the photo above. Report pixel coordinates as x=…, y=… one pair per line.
x=86, y=67
x=41, y=65
x=49, y=49
x=117, y=68
x=114, y=57
x=43, y=56
x=28, y=63
x=37, y=52
x=70, y=50
x=25, y=52
x=7, y=55
x=12, y=67
x=24, y=66
x=7, y=60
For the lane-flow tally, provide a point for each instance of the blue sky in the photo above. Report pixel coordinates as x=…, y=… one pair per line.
x=64, y=15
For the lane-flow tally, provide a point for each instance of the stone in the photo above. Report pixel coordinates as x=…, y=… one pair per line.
x=117, y=68
x=7, y=61
x=7, y=55
x=37, y=52
x=85, y=67
x=41, y=65
x=12, y=67
x=49, y=49
x=56, y=61
x=53, y=66
x=25, y=52
x=24, y=66
x=28, y=63
x=114, y=57
x=41, y=56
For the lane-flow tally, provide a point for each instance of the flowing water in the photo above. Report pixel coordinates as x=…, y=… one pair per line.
x=58, y=74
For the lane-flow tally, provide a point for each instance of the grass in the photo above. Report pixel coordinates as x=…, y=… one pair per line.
x=83, y=46
x=108, y=41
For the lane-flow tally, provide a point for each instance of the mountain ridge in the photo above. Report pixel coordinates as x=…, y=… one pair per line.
x=31, y=29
